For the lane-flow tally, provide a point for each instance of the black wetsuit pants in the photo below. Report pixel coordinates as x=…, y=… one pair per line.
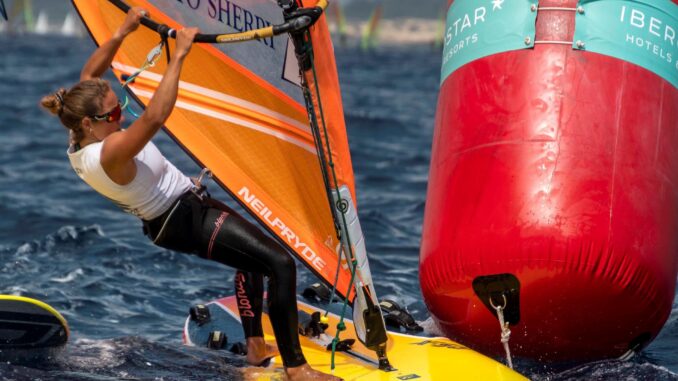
x=203, y=226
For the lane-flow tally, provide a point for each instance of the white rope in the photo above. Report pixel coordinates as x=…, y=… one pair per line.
x=505, y=331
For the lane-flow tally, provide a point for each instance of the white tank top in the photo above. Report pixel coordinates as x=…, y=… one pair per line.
x=154, y=189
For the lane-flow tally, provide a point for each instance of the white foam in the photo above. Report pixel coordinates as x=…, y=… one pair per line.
x=69, y=277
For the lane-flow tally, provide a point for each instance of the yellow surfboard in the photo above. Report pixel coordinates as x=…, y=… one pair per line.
x=414, y=357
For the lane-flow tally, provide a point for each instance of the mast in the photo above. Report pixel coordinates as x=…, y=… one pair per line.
x=370, y=326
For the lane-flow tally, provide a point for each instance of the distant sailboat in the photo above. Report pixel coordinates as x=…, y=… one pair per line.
x=371, y=29
x=21, y=17
x=341, y=28
x=72, y=26
x=439, y=40
x=42, y=23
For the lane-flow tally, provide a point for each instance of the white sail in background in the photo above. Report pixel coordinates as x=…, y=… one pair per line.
x=71, y=26
x=42, y=23
x=41, y=17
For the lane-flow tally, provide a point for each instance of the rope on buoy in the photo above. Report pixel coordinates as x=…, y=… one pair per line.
x=505, y=331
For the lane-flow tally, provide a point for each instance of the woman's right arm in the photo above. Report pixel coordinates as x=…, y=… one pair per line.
x=120, y=148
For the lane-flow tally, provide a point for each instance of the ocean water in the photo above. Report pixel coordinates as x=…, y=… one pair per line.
x=126, y=300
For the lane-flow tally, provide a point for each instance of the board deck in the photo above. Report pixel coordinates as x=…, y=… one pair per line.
x=414, y=357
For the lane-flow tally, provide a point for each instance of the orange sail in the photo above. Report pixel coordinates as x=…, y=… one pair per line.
x=244, y=121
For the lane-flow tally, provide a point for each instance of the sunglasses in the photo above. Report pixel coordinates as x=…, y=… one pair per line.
x=113, y=115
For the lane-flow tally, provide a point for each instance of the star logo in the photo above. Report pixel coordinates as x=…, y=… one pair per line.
x=496, y=4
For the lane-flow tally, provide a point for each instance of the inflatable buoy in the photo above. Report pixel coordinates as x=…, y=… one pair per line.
x=553, y=188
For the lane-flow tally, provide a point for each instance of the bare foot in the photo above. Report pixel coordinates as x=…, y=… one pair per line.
x=306, y=373
x=258, y=351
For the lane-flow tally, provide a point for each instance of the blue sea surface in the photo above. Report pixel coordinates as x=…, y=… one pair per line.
x=126, y=300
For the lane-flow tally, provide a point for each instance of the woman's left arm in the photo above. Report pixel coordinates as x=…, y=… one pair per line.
x=102, y=58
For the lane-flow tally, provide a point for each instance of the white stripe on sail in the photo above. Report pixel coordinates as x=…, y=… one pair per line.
x=217, y=96
x=231, y=119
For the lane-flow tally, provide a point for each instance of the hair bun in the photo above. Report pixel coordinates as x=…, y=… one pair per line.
x=55, y=102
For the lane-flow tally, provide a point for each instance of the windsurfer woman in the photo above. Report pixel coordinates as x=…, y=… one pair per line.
x=126, y=167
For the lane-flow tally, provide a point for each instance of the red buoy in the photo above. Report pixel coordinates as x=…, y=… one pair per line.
x=553, y=191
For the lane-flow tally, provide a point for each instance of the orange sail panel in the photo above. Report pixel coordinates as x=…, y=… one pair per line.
x=241, y=113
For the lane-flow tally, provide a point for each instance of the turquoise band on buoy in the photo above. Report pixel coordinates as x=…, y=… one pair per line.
x=643, y=32
x=476, y=29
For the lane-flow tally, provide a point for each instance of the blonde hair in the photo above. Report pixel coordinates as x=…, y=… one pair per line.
x=72, y=106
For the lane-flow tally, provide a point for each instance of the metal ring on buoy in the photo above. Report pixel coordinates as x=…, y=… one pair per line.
x=497, y=307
